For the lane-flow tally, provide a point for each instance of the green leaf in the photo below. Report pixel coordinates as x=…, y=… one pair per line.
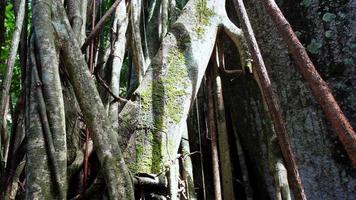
x=329, y=17
x=314, y=46
x=8, y=12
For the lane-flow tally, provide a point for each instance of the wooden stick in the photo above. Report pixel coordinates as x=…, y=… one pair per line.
x=318, y=86
x=271, y=101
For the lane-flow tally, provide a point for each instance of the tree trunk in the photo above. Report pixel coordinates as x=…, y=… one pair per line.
x=79, y=139
x=316, y=147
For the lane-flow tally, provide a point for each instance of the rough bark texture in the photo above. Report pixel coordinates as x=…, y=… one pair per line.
x=187, y=167
x=151, y=127
x=104, y=138
x=318, y=86
x=48, y=64
x=6, y=83
x=38, y=169
x=272, y=104
x=160, y=105
x=325, y=171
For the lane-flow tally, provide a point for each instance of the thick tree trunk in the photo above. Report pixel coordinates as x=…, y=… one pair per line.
x=318, y=86
x=48, y=65
x=272, y=105
x=173, y=78
x=316, y=147
x=159, y=107
x=120, y=25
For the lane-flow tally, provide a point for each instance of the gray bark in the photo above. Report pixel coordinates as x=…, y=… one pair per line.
x=223, y=140
x=6, y=83
x=51, y=86
x=37, y=162
x=187, y=166
x=118, y=52
x=169, y=86
x=104, y=138
x=136, y=40
x=322, y=166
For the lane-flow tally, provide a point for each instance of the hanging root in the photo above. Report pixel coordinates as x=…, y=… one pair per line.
x=115, y=171
x=187, y=166
x=163, y=22
x=277, y=169
x=136, y=41
x=151, y=9
x=78, y=162
x=281, y=181
x=118, y=52
x=74, y=16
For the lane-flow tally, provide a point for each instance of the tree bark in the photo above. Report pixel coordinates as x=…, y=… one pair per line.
x=318, y=86
x=271, y=101
x=6, y=83
x=223, y=139
x=323, y=165
x=160, y=105
x=213, y=137
x=187, y=166
x=104, y=138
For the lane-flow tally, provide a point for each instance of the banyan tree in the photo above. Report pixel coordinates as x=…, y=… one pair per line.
x=177, y=99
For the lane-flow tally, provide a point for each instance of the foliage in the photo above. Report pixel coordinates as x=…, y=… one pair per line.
x=9, y=27
x=204, y=14
x=5, y=51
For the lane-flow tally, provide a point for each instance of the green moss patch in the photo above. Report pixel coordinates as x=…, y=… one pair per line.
x=161, y=104
x=203, y=16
